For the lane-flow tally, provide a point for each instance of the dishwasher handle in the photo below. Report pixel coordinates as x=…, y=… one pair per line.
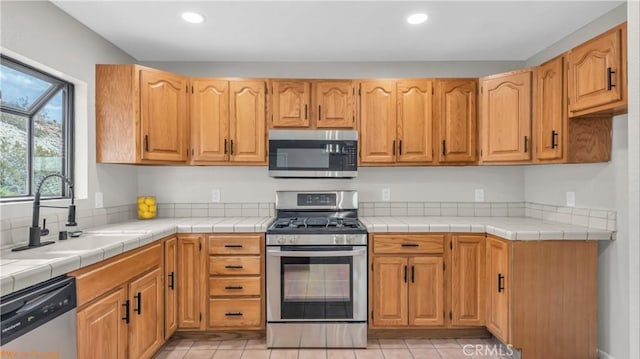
x=44, y=298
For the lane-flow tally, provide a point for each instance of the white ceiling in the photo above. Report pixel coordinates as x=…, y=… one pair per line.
x=334, y=30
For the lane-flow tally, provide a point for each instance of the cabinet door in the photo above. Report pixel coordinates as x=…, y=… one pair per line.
x=389, y=291
x=549, y=110
x=102, y=329
x=377, y=121
x=163, y=115
x=415, y=121
x=456, y=115
x=209, y=120
x=506, y=117
x=596, y=73
x=498, y=288
x=290, y=103
x=426, y=291
x=334, y=103
x=190, y=281
x=147, y=315
x=170, y=288
x=467, y=280
x=247, y=121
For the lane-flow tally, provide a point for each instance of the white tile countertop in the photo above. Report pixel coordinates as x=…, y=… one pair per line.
x=512, y=228
x=22, y=269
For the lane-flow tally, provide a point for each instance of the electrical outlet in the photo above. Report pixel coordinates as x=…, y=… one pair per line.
x=386, y=194
x=215, y=195
x=479, y=195
x=571, y=199
x=99, y=200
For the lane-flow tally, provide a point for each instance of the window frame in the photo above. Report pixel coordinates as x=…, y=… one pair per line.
x=67, y=122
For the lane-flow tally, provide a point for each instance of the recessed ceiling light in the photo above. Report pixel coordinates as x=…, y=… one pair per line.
x=192, y=17
x=416, y=19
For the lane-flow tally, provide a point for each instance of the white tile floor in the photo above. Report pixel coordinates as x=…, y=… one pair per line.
x=376, y=349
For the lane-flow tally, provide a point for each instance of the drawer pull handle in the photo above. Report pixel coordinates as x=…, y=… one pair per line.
x=233, y=314
x=410, y=245
x=233, y=245
x=126, y=311
x=233, y=267
x=229, y=287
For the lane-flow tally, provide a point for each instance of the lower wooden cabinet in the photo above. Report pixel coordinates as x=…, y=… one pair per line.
x=236, y=281
x=147, y=314
x=191, y=281
x=121, y=305
x=467, y=280
x=407, y=280
x=101, y=331
x=170, y=288
x=542, y=296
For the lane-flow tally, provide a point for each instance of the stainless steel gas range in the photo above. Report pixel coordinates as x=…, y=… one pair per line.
x=316, y=262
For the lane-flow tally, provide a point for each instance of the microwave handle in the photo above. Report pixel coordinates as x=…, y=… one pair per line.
x=278, y=253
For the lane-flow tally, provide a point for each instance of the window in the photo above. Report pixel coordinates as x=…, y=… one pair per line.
x=36, y=132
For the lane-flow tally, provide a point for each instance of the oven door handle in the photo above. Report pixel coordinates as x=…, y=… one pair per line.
x=354, y=253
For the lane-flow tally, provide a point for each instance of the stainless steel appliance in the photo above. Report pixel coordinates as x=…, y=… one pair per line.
x=313, y=153
x=40, y=321
x=316, y=260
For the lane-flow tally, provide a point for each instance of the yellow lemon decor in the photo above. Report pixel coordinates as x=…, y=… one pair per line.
x=147, y=207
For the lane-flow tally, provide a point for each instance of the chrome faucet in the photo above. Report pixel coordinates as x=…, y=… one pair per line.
x=35, y=232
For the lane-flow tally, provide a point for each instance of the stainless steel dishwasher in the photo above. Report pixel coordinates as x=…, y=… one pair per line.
x=40, y=321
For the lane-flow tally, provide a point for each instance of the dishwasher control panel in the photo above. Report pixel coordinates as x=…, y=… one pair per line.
x=31, y=307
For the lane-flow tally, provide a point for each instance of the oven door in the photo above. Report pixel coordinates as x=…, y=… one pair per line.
x=321, y=283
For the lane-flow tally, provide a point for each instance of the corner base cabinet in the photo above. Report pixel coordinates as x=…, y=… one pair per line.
x=542, y=296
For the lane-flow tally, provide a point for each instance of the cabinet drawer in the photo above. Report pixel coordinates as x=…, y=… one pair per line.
x=235, y=312
x=234, y=265
x=408, y=244
x=225, y=245
x=234, y=286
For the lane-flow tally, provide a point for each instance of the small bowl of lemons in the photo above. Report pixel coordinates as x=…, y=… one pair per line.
x=147, y=208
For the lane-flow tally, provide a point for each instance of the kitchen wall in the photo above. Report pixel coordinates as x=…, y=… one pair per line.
x=39, y=33
x=603, y=185
x=407, y=184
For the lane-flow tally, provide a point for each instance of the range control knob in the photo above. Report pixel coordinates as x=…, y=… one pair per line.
x=292, y=239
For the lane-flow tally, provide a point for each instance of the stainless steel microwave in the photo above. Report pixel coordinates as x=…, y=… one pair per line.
x=313, y=153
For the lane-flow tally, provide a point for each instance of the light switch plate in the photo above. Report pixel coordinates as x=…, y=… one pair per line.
x=99, y=200
x=571, y=199
x=386, y=194
x=479, y=195
x=215, y=195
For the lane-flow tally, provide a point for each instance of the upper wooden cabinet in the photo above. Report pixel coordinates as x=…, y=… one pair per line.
x=141, y=115
x=396, y=131
x=597, y=75
x=505, y=119
x=377, y=121
x=550, y=113
x=560, y=139
x=335, y=102
x=247, y=130
x=228, y=121
x=455, y=109
x=312, y=104
x=209, y=120
x=414, y=122
x=290, y=103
